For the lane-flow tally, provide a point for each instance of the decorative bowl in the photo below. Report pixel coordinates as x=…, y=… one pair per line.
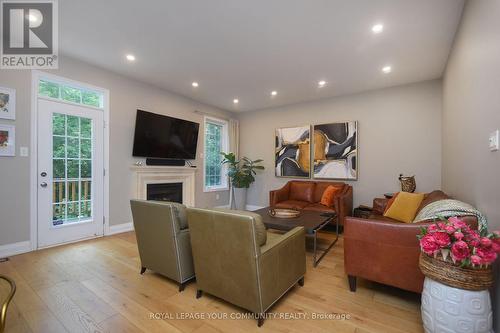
x=284, y=213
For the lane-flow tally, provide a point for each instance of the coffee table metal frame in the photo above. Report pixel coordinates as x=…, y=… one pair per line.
x=315, y=235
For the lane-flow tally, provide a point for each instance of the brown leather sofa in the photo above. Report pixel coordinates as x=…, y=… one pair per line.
x=306, y=195
x=384, y=250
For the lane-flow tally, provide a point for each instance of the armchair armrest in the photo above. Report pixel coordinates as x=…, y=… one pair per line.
x=279, y=195
x=282, y=263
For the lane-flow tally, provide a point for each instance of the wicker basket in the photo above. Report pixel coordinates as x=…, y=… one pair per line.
x=455, y=276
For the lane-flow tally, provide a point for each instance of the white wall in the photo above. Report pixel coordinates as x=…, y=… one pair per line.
x=126, y=96
x=399, y=132
x=471, y=110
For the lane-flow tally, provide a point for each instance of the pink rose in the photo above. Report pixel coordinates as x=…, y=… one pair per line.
x=486, y=242
x=458, y=235
x=449, y=229
x=487, y=255
x=476, y=260
x=457, y=223
x=460, y=250
x=442, y=239
x=496, y=245
x=432, y=228
x=428, y=245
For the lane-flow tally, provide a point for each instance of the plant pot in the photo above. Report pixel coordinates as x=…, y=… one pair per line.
x=449, y=309
x=240, y=198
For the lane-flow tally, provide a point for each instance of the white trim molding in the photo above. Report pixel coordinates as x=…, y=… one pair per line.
x=120, y=228
x=8, y=250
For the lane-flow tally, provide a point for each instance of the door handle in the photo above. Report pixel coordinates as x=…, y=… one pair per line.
x=44, y=184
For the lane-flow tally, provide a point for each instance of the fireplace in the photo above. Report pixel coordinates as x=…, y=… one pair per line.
x=165, y=192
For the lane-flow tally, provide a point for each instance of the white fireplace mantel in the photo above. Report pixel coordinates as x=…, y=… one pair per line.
x=144, y=175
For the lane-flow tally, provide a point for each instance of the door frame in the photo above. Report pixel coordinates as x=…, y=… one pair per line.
x=36, y=75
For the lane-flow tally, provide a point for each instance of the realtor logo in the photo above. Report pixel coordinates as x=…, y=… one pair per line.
x=29, y=38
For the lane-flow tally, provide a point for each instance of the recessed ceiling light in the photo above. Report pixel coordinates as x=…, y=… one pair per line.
x=274, y=93
x=130, y=57
x=377, y=28
x=321, y=83
x=236, y=101
x=195, y=84
x=386, y=69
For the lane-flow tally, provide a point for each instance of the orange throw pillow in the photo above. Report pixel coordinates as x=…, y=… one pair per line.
x=328, y=196
x=405, y=207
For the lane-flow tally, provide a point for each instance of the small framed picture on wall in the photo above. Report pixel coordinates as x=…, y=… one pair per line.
x=7, y=140
x=7, y=103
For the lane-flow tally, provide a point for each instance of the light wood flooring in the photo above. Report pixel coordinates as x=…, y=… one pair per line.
x=95, y=286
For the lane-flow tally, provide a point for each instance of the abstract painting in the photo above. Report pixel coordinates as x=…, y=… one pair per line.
x=293, y=152
x=336, y=151
x=7, y=103
x=7, y=140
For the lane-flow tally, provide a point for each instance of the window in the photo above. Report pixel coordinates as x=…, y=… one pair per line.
x=216, y=141
x=70, y=94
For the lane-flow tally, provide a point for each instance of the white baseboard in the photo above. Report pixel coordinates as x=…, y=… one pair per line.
x=8, y=250
x=247, y=207
x=120, y=228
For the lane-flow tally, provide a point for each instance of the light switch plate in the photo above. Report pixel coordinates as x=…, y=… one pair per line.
x=23, y=151
x=494, y=141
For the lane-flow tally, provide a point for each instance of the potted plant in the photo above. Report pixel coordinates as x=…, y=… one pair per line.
x=241, y=173
x=456, y=261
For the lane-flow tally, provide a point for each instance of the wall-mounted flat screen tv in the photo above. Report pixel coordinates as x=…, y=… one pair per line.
x=158, y=136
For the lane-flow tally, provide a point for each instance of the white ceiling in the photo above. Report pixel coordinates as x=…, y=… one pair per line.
x=245, y=49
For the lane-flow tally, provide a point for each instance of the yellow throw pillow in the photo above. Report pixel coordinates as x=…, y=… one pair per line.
x=405, y=207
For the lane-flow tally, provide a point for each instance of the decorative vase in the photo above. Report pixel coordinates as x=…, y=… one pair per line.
x=240, y=198
x=449, y=309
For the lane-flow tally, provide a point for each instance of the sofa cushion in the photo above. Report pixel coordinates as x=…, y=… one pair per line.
x=301, y=191
x=329, y=196
x=405, y=206
x=321, y=187
x=317, y=207
x=431, y=197
x=291, y=204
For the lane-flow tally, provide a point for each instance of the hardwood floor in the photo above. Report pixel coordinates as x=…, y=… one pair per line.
x=95, y=286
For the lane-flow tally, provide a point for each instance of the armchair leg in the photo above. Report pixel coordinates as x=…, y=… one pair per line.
x=199, y=293
x=143, y=269
x=260, y=319
x=182, y=286
x=301, y=282
x=352, y=283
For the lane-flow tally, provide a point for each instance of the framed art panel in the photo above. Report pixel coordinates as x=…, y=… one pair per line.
x=293, y=152
x=336, y=151
x=7, y=140
x=7, y=103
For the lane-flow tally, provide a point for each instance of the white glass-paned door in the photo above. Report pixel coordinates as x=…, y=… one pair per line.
x=70, y=172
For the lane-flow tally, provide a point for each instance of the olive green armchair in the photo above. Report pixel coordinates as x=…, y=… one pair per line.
x=163, y=239
x=237, y=260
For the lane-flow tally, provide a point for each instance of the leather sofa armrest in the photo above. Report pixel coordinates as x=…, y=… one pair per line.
x=379, y=205
x=344, y=204
x=282, y=263
x=279, y=195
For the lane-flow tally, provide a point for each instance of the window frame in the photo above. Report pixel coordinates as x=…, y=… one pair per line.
x=224, y=147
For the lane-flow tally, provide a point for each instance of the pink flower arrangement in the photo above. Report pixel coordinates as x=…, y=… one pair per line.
x=455, y=239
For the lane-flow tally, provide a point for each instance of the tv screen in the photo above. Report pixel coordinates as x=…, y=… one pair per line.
x=160, y=136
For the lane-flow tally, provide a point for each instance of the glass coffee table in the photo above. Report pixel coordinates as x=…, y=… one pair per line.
x=312, y=221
